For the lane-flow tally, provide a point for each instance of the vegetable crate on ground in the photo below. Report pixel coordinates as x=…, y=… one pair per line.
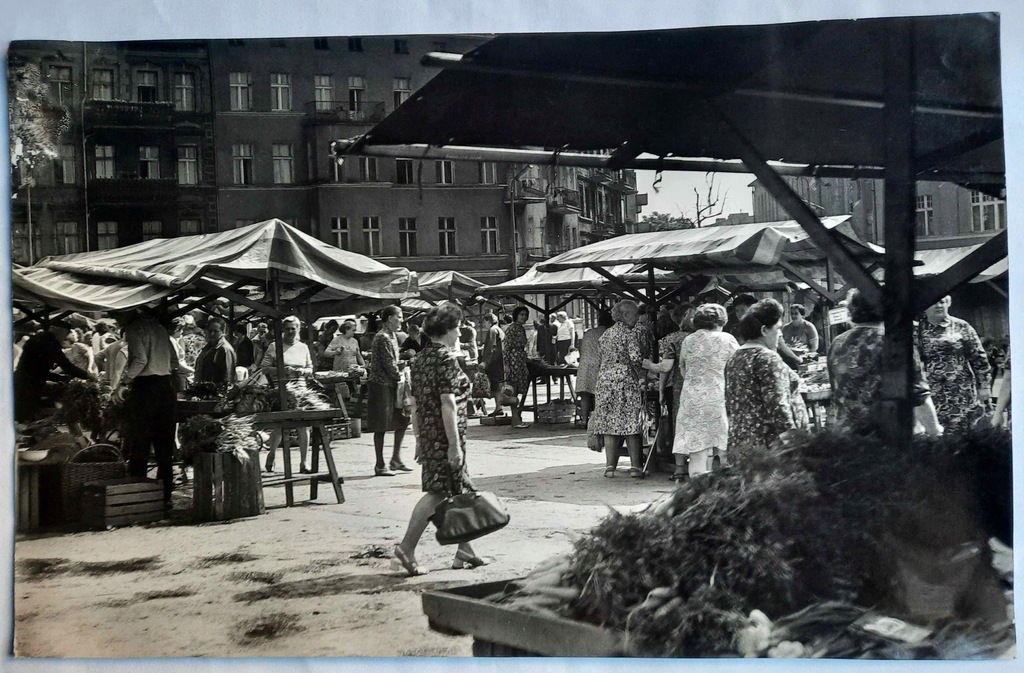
x=556, y=411
x=93, y=463
x=122, y=502
x=500, y=631
x=348, y=429
x=226, y=487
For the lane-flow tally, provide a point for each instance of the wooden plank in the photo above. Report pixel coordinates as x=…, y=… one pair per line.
x=127, y=491
x=123, y=484
x=619, y=285
x=900, y=235
x=126, y=499
x=214, y=289
x=124, y=510
x=547, y=636
x=134, y=519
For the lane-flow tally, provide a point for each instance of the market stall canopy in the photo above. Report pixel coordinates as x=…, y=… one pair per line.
x=934, y=262
x=750, y=247
x=535, y=281
x=140, y=274
x=438, y=286
x=810, y=93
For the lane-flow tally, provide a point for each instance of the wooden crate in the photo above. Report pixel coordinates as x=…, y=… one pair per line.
x=349, y=429
x=298, y=416
x=503, y=631
x=556, y=412
x=122, y=502
x=226, y=488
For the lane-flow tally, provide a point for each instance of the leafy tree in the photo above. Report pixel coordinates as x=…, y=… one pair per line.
x=36, y=124
x=664, y=222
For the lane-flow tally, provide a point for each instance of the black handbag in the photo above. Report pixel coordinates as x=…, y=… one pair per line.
x=467, y=516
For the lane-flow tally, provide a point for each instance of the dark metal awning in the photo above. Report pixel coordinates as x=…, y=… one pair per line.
x=810, y=93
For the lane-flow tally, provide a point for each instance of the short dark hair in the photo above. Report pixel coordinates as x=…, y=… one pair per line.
x=442, y=319
x=216, y=321
x=799, y=308
x=744, y=299
x=604, y=319
x=330, y=324
x=764, y=313
x=861, y=310
x=491, y=317
x=519, y=310
x=390, y=312
x=346, y=326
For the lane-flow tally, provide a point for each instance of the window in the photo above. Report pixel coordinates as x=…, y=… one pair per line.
x=401, y=46
x=446, y=235
x=443, y=171
x=104, y=162
x=64, y=165
x=403, y=171
x=184, y=92
x=59, y=77
x=371, y=235
x=284, y=173
x=241, y=164
x=241, y=90
x=280, y=92
x=402, y=87
x=149, y=163
x=152, y=229
x=189, y=227
x=489, y=235
x=68, y=238
x=924, y=215
x=320, y=43
x=106, y=235
x=356, y=97
x=355, y=44
x=368, y=169
x=339, y=230
x=145, y=86
x=188, y=165
x=323, y=92
x=103, y=84
x=20, y=251
x=987, y=212
x=407, y=236
x=488, y=173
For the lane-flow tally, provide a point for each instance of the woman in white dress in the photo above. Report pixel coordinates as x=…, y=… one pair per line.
x=701, y=424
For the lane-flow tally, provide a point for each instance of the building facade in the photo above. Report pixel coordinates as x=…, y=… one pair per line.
x=172, y=138
x=135, y=160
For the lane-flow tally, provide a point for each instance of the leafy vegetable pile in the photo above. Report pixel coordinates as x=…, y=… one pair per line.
x=231, y=434
x=807, y=527
x=89, y=405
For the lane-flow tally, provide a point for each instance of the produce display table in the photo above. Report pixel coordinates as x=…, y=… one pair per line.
x=818, y=403
x=542, y=371
x=319, y=440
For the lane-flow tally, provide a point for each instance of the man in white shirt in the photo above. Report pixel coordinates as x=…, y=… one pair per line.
x=565, y=337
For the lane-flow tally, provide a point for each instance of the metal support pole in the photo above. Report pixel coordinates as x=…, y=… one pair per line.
x=900, y=233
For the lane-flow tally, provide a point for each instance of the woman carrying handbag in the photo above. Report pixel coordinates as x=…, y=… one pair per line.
x=440, y=391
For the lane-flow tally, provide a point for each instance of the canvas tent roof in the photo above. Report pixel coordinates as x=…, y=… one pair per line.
x=934, y=262
x=139, y=274
x=437, y=286
x=750, y=247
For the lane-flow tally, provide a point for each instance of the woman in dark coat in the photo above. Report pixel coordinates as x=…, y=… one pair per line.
x=384, y=413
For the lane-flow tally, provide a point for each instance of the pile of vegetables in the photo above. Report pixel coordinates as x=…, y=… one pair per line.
x=231, y=434
x=805, y=531
x=302, y=396
x=88, y=405
x=204, y=390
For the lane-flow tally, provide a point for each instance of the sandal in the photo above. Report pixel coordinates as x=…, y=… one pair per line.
x=407, y=562
x=636, y=473
x=609, y=472
x=463, y=560
x=399, y=467
x=382, y=472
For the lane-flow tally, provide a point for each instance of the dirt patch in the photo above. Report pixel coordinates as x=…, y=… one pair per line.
x=372, y=551
x=320, y=565
x=256, y=577
x=225, y=559
x=41, y=568
x=266, y=628
x=146, y=596
x=322, y=586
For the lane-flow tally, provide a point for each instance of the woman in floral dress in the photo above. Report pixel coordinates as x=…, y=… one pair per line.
x=619, y=397
x=957, y=367
x=701, y=425
x=761, y=398
x=440, y=391
x=516, y=373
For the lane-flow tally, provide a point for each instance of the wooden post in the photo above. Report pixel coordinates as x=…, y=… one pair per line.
x=274, y=294
x=900, y=233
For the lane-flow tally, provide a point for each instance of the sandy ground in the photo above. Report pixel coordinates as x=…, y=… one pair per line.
x=311, y=580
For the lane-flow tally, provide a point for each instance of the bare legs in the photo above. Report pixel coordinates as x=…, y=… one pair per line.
x=421, y=514
x=276, y=439
x=612, y=444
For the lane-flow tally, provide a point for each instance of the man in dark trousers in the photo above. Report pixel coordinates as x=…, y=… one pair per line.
x=147, y=389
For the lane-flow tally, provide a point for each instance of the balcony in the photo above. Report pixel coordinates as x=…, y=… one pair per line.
x=118, y=113
x=528, y=190
x=564, y=201
x=337, y=112
x=128, y=191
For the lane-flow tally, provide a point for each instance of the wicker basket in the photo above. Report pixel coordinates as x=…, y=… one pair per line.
x=556, y=411
x=74, y=474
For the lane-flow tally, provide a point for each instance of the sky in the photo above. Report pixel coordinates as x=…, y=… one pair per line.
x=675, y=194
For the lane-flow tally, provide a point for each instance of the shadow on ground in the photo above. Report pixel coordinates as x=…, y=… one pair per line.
x=577, y=485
